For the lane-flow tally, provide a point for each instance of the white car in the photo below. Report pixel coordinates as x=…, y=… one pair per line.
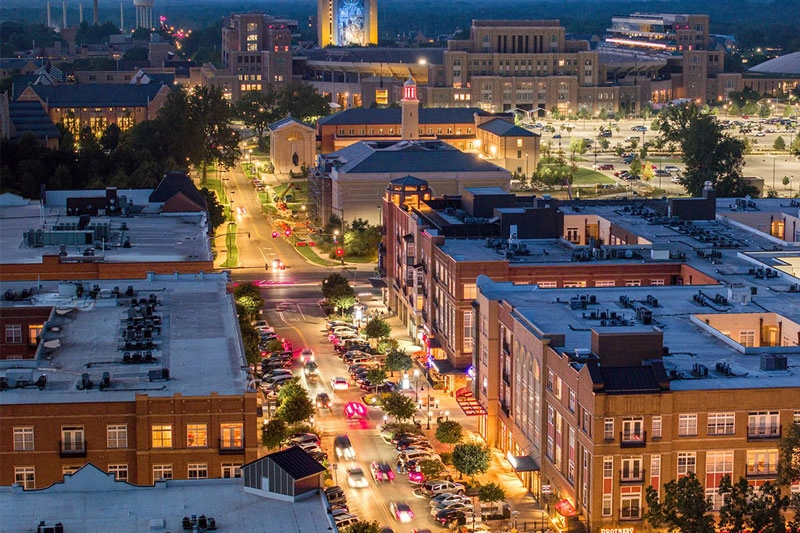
x=356, y=478
x=339, y=383
x=446, y=499
x=307, y=355
x=457, y=506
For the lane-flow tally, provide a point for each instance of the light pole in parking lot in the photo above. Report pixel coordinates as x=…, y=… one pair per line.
x=416, y=385
x=430, y=413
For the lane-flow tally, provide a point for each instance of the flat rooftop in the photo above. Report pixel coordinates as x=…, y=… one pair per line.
x=680, y=315
x=90, y=500
x=191, y=332
x=153, y=237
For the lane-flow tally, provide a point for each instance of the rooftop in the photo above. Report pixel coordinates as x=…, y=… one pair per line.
x=390, y=56
x=393, y=115
x=90, y=500
x=97, y=94
x=504, y=128
x=187, y=236
x=187, y=324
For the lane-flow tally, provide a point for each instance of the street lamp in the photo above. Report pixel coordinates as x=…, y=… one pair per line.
x=416, y=385
x=447, y=416
x=430, y=413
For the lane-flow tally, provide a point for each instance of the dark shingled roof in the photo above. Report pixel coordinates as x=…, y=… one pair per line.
x=97, y=95
x=393, y=115
x=173, y=183
x=296, y=462
x=629, y=380
x=31, y=117
x=433, y=56
x=285, y=121
x=409, y=157
x=503, y=128
x=409, y=180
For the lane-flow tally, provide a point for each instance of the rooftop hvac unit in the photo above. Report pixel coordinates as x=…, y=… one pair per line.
x=158, y=375
x=773, y=362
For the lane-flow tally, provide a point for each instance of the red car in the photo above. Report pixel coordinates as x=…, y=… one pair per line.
x=417, y=478
x=381, y=471
x=355, y=410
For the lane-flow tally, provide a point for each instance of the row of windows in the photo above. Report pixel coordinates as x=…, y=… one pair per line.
x=759, y=424
x=117, y=436
x=25, y=476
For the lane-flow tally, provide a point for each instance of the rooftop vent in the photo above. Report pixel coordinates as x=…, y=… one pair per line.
x=773, y=362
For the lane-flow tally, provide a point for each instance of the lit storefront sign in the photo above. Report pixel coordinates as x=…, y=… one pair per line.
x=617, y=530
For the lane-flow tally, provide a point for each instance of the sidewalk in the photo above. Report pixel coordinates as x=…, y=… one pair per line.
x=526, y=514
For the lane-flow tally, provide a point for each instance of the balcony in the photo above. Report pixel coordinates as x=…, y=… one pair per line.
x=506, y=409
x=506, y=347
x=506, y=377
x=633, y=475
x=72, y=449
x=632, y=439
x=760, y=470
x=762, y=432
x=230, y=447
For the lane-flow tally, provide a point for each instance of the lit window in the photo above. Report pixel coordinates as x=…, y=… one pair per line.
x=762, y=462
x=162, y=436
x=196, y=436
x=231, y=436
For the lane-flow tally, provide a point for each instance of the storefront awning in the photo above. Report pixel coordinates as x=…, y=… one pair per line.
x=443, y=366
x=434, y=342
x=522, y=463
x=377, y=283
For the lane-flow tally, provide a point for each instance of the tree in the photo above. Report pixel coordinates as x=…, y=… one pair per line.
x=296, y=409
x=794, y=149
x=274, y=433
x=682, y=507
x=303, y=102
x=577, y=145
x=291, y=389
x=708, y=153
x=364, y=527
x=449, y=432
x=376, y=376
x=250, y=338
x=398, y=360
x=491, y=492
x=216, y=213
x=248, y=296
x=257, y=109
x=748, y=509
x=779, y=144
x=431, y=468
x=336, y=285
x=471, y=459
x=361, y=239
x=789, y=456
x=377, y=328
x=399, y=406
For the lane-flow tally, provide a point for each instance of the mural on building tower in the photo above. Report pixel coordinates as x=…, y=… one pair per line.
x=351, y=22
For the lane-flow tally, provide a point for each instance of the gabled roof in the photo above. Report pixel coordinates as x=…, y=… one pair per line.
x=97, y=94
x=31, y=117
x=409, y=180
x=180, y=203
x=409, y=157
x=393, y=115
x=503, y=128
x=173, y=183
x=296, y=462
x=286, y=122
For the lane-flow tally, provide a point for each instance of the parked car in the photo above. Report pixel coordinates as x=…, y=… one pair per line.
x=603, y=166
x=447, y=516
x=381, y=471
x=672, y=168
x=335, y=495
x=415, y=454
x=447, y=498
x=458, y=506
x=345, y=521
x=434, y=488
x=300, y=438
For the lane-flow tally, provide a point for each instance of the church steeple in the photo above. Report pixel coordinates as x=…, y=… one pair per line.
x=409, y=126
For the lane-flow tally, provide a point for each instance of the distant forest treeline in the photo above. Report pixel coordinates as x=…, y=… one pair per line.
x=755, y=24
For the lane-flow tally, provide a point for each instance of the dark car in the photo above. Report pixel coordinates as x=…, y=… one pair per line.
x=335, y=495
x=324, y=401
x=448, y=516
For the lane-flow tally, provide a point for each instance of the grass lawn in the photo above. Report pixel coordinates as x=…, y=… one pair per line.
x=230, y=244
x=585, y=176
x=213, y=184
x=308, y=253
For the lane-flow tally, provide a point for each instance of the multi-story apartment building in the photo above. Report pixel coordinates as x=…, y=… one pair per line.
x=256, y=51
x=435, y=247
x=145, y=379
x=526, y=64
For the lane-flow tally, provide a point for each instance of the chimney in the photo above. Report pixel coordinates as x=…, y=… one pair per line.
x=80, y=13
x=49, y=17
x=63, y=14
x=95, y=15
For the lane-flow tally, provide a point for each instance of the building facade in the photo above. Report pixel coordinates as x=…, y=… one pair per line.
x=347, y=22
x=256, y=51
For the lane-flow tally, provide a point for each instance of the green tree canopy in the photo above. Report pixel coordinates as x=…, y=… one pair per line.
x=377, y=328
x=682, y=506
x=216, y=213
x=336, y=285
x=274, y=433
x=303, y=102
x=399, y=406
x=397, y=359
x=297, y=408
x=491, y=492
x=449, y=432
x=363, y=527
x=471, y=458
x=431, y=468
x=257, y=109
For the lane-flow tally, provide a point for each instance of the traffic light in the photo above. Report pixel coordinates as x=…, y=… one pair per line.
x=288, y=232
x=339, y=252
x=274, y=234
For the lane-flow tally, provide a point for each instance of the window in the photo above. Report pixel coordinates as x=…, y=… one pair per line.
x=230, y=470
x=630, y=506
x=23, y=439
x=231, y=436
x=120, y=471
x=198, y=471
x=633, y=430
x=117, y=436
x=470, y=291
x=721, y=424
x=631, y=469
x=687, y=425
x=68, y=470
x=469, y=340
x=747, y=338
x=763, y=424
x=607, y=501
x=587, y=422
x=13, y=334
x=162, y=436
x=687, y=462
x=25, y=476
x=196, y=435
x=608, y=429
x=571, y=400
x=162, y=472
x=72, y=439
x=718, y=465
x=605, y=283
x=656, y=427
x=762, y=462
x=655, y=466
x=34, y=333
x=608, y=467
x=557, y=388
